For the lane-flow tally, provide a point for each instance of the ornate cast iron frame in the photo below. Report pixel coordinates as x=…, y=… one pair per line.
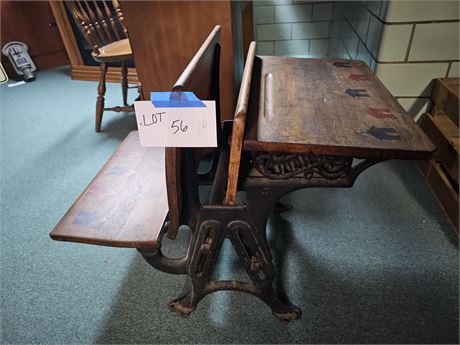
x=245, y=226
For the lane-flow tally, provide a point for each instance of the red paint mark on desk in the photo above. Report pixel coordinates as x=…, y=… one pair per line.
x=120, y=152
x=358, y=77
x=381, y=113
x=95, y=191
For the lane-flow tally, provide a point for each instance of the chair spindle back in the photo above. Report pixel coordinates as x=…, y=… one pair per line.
x=99, y=26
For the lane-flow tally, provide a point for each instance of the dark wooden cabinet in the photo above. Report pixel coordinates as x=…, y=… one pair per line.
x=33, y=23
x=166, y=34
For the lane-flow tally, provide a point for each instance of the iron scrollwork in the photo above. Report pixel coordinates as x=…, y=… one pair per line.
x=282, y=165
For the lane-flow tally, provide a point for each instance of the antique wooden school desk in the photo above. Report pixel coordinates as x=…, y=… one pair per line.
x=298, y=123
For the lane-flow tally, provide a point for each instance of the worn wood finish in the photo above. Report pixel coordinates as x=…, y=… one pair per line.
x=127, y=202
x=165, y=35
x=125, y=205
x=328, y=107
x=239, y=122
x=445, y=97
x=114, y=52
x=202, y=77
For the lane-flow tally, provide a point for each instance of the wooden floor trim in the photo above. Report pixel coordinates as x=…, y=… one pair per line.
x=81, y=72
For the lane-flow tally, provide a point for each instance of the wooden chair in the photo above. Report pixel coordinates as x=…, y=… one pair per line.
x=106, y=34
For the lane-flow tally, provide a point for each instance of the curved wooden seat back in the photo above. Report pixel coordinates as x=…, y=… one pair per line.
x=239, y=122
x=202, y=77
x=97, y=22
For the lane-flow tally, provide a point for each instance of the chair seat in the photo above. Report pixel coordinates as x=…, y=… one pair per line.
x=115, y=51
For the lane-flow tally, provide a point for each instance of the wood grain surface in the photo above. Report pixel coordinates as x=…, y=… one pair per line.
x=239, y=123
x=125, y=205
x=165, y=35
x=331, y=107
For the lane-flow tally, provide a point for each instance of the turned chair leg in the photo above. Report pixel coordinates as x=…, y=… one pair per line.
x=140, y=97
x=100, y=97
x=124, y=82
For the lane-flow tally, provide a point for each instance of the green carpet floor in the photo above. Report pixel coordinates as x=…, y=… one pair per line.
x=377, y=263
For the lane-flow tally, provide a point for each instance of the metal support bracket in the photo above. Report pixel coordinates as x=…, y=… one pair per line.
x=156, y=259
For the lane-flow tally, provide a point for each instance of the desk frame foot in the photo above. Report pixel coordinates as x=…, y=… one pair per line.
x=289, y=315
x=215, y=224
x=186, y=304
x=181, y=307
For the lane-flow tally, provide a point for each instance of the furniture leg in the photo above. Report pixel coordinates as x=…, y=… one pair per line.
x=139, y=91
x=100, y=96
x=124, y=82
x=252, y=250
x=187, y=303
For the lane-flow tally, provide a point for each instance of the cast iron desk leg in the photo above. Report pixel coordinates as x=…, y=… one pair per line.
x=235, y=223
x=245, y=227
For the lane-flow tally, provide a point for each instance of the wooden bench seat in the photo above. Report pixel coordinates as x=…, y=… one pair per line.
x=125, y=205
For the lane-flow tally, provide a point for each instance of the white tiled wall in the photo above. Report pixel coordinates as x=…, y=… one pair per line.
x=431, y=50
x=394, y=42
x=318, y=30
x=293, y=13
x=434, y=41
x=356, y=30
x=410, y=79
x=407, y=43
x=416, y=11
x=274, y=32
x=453, y=72
x=292, y=28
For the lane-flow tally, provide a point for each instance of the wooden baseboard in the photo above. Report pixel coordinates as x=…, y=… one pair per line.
x=92, y=73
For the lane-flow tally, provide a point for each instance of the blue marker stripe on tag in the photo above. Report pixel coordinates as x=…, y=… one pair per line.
x=176, y=100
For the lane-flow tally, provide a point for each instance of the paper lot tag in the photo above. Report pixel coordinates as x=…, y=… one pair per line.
x=176, y=127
